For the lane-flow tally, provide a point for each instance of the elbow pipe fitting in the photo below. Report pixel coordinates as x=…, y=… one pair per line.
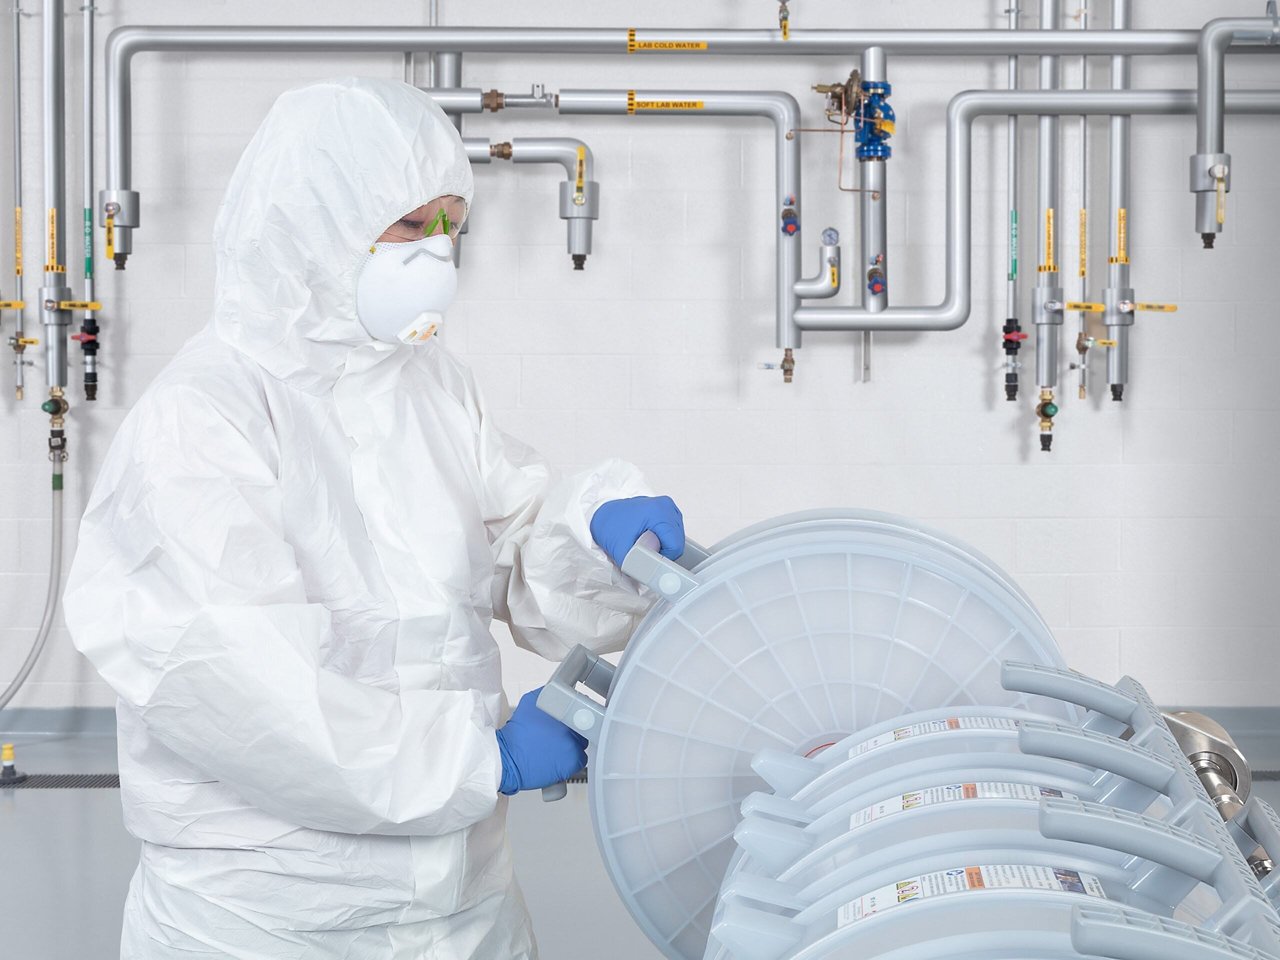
x=1211, y=164
x=579, y=192
x=826, y=283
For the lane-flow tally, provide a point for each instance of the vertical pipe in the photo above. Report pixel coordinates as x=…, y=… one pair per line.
x=1011, y=293
x=19, y=333
x=1011, y=332
x=873, y=232
x=54, y=291
x=1048, y=294
x=1118, y=283
x=1082, y=343
x=89, y=323
x=446, y=73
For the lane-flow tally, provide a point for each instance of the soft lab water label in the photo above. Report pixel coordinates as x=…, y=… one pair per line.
x=951, y=793
x=931, y=727
x=963, y=879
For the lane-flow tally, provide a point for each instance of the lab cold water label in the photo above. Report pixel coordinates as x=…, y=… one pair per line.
x=951, y=793
x=964, y=879
x=950, y=725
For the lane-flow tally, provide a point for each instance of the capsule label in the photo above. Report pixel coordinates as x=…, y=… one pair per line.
x=952, y=793
x=964, y=879
x=931, y=727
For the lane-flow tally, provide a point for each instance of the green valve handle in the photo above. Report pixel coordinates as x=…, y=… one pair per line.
x=51, y=407
x=1050, y=409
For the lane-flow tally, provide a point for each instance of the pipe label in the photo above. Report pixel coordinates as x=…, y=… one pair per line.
x=634, y=105
x=1013, y=245
x=51, y=264
x=17, y=241
x=662, y=46
x=110, y=227
x=1084, y=241
x=1122, y=237
x=1050, y=264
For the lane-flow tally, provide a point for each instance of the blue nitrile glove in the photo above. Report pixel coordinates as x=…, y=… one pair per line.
x=618, y=524
x=537, y=749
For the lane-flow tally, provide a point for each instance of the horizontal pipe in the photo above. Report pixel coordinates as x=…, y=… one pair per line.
x=124, y=43
x=477, y=149
x=966, y=107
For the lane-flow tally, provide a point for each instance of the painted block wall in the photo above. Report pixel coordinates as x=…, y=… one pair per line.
x=1147, y=537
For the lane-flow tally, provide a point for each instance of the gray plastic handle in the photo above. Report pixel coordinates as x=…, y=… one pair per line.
x=1132, y=833
x=1061, y=684
x=1128, y=760
x=560, y=698
x=1128, y=934
x=669, y=579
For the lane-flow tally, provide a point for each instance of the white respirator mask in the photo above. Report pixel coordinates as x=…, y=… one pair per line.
x=403, y=289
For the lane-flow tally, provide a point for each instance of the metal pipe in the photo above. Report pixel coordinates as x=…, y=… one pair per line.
x=51, y=593
x=1047, y=315
x=1211, y=164
x=1011, y=335
x=448, y=76
x=966, y=107
x=873, y=239
x=89, y=324
x=579, y=192
x=1119, y=288
x=826, y=282
x=478, y=149
x=121, y=202
x=54, y=291
x=18, y=340
x=780, y=108
x=1082, y=341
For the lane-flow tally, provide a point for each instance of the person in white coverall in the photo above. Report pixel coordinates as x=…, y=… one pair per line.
x=291, y=558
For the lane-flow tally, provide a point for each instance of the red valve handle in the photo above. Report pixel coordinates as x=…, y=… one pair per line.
x=1017, y=336
x=83, y=337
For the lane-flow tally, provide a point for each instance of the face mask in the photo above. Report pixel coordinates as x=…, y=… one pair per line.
x=403, y=289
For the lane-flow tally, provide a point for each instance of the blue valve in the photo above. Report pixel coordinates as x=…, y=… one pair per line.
x=873, y=124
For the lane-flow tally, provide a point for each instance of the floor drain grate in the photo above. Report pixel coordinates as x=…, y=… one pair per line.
x=68, y=781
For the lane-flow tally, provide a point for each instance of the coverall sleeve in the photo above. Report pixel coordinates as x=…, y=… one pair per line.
x=188, y=599
x=553, y=584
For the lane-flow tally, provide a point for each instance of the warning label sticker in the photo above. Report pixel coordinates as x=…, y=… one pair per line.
x=931, y=727
x=962, y=879
x=951, y=793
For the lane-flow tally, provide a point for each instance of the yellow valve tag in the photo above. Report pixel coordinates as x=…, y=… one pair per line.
x=1104, y=343
x=1084, y=307
x=17, y=241
x=12, y=304
x=665, y=46
x=79, y=305
x=6, y=753
x=835, y=276
x=1222, y=200
x=786, y=30
x=111, y=237
x=1084, y=240
x=28, y=342
x=1156, y=307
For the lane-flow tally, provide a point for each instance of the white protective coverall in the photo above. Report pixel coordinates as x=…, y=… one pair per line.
x=288, y=569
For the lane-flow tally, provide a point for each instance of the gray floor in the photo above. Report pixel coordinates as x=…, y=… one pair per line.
x=67, y=863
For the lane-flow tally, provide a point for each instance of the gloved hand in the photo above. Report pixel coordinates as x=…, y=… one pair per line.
x=537, y=749
x=618, y=524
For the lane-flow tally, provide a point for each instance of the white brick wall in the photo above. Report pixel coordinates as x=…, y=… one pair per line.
x=1147, y=537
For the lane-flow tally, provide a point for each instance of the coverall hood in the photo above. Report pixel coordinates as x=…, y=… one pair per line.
x=332, y=165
